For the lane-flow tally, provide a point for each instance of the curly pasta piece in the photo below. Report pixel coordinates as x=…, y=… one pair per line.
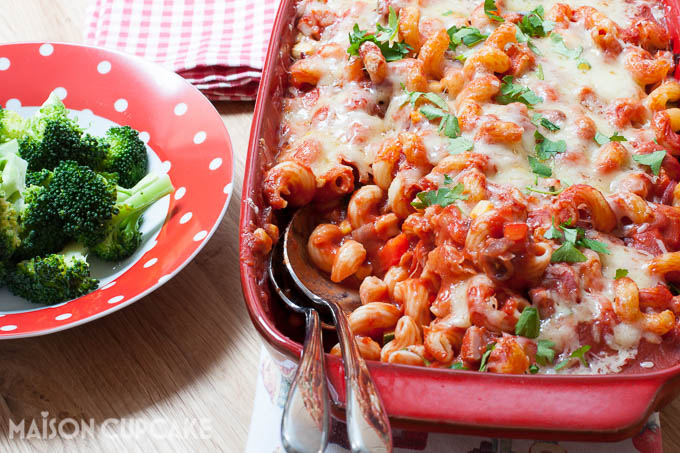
x=376, y=316
x=374, y=61
x=406, y=333
x=583, y=203
x=289, y=182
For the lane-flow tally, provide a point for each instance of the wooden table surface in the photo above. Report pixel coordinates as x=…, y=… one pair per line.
x=185, y=354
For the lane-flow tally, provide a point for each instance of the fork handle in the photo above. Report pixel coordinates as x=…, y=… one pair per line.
x=368, y=427
x=305, y=422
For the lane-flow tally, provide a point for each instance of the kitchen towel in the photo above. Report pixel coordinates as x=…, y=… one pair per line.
x=218, y=46
x=272, y=386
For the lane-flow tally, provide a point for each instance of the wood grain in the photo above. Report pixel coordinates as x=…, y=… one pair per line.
x=187, y=352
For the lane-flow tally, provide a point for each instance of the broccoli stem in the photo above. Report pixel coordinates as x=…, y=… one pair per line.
x=74, y=251
x=149, y=190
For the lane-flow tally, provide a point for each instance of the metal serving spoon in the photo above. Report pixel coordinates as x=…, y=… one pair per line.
x=305, y=423
x=368, y=427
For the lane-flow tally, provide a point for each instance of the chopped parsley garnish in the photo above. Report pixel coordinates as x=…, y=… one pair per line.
x=553, y=191
x=485, y=358
x=443, y=197
x=602, y=139
x=385, y=39
x=511, y=92
x=448, y=180
x=459, y=145
x=533, y=368
x=434, y=98
x=653, y=160
x=458, y=366
x=545, y=354
x=534, y=25
x=578, y=354
x=545, y=149
x=539, y=72
x=620, y=273
x=447, y=13
x=539, y=120
x=561, y=48
x=491, y=10
x=387, y=337
x=468, y=36
x=529, y=324
x=539, y=168
x=448, y=123
x=572, y=238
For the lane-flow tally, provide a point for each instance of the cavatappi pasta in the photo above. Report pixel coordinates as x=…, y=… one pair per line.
x=499, y=178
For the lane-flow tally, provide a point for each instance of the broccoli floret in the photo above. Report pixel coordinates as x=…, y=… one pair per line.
x=51, y=137
x=123, y=236
x=54, y=278
x=12, y=173
x=83, y=200
x=11, y=125
x=126, y=155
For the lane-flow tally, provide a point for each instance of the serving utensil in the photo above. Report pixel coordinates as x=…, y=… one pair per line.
x=305, y=422
x=368, y=427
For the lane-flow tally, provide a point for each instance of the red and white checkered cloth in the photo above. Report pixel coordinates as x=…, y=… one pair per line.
x=218, y=46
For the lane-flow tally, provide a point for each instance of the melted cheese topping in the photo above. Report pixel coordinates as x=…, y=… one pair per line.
x=349, y=121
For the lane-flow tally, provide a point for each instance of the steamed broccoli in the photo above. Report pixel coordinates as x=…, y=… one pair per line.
x=125, y=155
x=51, y=137
x=122, y=231
x=11, y=125
x=83, y=200
x=28, y=223
x=12, y=172
x=54, y=278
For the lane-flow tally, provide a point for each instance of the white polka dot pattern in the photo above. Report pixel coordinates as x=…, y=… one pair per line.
x=115, y=300
x=200, y=235
x=104, y=67
x=185, y=218
x=63, y=317
x=199, y=137
x=120, y=105
x=46, y=50
x=4, y=63
x=180, y=109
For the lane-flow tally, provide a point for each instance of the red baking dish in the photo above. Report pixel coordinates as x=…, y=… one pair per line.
x=603, y=408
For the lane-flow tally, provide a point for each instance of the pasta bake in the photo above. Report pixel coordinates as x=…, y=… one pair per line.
x=498, y=178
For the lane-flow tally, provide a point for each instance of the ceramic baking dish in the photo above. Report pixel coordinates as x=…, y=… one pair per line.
x=607, y=407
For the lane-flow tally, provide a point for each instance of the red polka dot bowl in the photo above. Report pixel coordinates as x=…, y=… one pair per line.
x=185, y=137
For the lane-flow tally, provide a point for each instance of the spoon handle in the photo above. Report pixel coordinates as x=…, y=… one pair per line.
x=305, y=422
x=368, y=427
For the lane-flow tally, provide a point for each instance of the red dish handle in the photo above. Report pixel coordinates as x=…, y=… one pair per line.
x=583, y=407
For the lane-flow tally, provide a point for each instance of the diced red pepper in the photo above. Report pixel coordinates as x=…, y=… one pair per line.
x=391, y=252
x=515, y=231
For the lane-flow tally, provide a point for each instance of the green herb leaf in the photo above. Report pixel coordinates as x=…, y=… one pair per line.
x=468, y=36
x=533, y=368
x=538, y=120
x=567, y=253
x=459, y=145
x=602, y=139
x=539, y=72
x=545, y=148
x=448, y=123
x=414, y=96
x=553, y=232
x=654, y=160
x=620, y=273
x=673, y=288
x=391, y=50
x=562, y=49
x=545, y=354
x=491, y=10
x=511, y=92
x=533, y=24
x=553, y=191
x=443, y=197
x=578, y=354
x=529, y=324
x=448, y=180
x=387, y=337
x=539, y=168
x=597, y=246
x=447, y=13
x=458, y=366
x=485, y=358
